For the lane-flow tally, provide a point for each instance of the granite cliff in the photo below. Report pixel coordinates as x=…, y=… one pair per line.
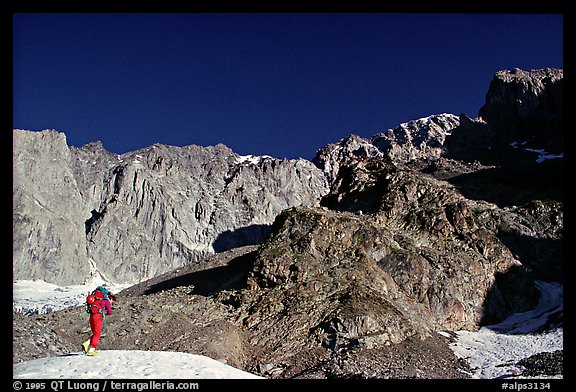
x=84, y=211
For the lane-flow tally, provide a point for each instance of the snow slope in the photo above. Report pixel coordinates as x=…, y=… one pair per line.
x=493, y=351
x=38, y=297
x=124, y=364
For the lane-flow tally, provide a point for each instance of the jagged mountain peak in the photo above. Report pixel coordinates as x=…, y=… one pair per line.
x=423, y=122
x=517, y=74
x=420, y=139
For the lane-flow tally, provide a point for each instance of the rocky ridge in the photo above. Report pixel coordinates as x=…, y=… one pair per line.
x=401, y=247
x=137, y=215
x=411, y=141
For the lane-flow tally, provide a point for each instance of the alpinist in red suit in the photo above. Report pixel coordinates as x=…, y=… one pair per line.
x=98, y=305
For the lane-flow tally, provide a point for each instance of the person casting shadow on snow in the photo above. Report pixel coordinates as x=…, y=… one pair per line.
x=98, y=305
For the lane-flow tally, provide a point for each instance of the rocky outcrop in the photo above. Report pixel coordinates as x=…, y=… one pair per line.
x=419, y=262
x=331, y=156
x=133, y=216
x=519, y=125
x=534, y=234
x=545, y=363
x=527, y=106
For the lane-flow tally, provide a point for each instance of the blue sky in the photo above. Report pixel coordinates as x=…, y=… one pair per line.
x=280, y=84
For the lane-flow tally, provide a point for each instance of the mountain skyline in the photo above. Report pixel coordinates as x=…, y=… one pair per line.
x=279, y=84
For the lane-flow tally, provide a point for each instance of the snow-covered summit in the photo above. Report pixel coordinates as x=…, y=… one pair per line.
x=428, y=120
x=423, y=138
x=252, y=159
x=418, y=138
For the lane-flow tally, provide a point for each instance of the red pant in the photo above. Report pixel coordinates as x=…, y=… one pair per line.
x=96, y=327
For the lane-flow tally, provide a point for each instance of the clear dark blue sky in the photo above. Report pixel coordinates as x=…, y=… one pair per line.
x=279, y=84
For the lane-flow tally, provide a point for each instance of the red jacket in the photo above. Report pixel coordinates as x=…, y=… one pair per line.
x=101, y=305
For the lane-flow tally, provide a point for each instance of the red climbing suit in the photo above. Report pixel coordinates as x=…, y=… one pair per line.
x=98, y=310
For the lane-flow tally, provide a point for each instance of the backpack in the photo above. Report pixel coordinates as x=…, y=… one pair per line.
x=94, y=300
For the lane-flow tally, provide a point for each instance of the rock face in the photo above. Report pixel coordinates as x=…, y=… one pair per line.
x=164, y=207
x=528, y=106
x=48, y=211
x=137, y=215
